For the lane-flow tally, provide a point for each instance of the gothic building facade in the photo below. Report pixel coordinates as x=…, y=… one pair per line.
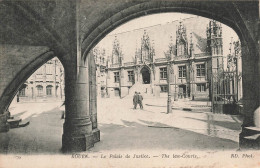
x=192, y=58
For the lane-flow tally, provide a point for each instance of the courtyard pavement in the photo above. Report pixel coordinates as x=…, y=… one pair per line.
x=125, y=129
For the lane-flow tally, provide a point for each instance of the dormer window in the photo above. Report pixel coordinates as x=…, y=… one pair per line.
x=181, y=49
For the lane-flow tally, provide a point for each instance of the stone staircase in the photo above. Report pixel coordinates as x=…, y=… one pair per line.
x=16, y=122
x=144, y=89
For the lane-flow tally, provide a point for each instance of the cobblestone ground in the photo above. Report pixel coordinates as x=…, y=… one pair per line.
x=123, y=128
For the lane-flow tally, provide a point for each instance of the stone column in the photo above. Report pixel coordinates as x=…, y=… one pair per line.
x=44, y=84
x=77, y=129
x=4, y=126
x=93, y=97
x=251, y=94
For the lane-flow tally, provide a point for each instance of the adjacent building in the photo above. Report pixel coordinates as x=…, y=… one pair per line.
x=46, y=83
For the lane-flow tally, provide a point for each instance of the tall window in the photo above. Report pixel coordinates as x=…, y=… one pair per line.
x=181, y=49
x=163, y=73
x=116, y=77
x=130, y=76
x=182, y=71
x=145, y=53
x=22, y=92
x=201, y=87
x=39, y=90
x=49, y=69
x=164, y=88
x=201, y=70
x=48, y=90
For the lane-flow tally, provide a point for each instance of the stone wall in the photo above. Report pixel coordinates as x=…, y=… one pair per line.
x=17, y=64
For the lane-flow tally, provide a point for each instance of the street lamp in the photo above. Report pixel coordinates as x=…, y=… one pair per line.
x=169, y=101
x=169, y=72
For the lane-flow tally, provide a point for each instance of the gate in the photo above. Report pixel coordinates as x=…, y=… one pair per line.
x=224, y=92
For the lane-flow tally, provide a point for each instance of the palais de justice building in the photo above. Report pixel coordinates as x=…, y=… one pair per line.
x=192, y=51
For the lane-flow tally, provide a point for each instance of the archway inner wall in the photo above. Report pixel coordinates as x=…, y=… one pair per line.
x=16, y=65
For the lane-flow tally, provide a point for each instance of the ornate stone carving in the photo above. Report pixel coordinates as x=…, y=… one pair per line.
x=181, y=40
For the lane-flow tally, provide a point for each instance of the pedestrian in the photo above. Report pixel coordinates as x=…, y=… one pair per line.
x=63, y=112
x=140, y=100
x=135, y=100
x=17, y=97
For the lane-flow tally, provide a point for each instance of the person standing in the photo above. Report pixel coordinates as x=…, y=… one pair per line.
x=140, y=100
x=135, y=100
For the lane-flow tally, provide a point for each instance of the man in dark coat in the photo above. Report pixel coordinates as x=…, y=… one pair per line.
x=135, y=100
x=140, y=100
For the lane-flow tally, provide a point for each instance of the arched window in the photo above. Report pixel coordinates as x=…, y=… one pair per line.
x=39, y=90
x=48, y=90
x=22, y=90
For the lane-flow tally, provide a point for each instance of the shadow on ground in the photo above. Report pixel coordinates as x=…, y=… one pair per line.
x=226, y=124
x=44, y=136
x=136, y=136
x=41, y=136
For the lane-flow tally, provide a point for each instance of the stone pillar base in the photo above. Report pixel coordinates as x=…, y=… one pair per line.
x=249, y=138
x=4, y=126
x=96, y=133
x=72, y=143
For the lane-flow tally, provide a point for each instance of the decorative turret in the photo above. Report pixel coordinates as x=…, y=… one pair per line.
x=107, y=62
x=237, y=49
x=214, y=38
x=191, y=47
x=147, y=51
x=103, y=55
x=234, y=56
x=170, y=53
x=152, y=55
x=181, y=40
x=117, y=55
x=136, y=56
x=215, y=45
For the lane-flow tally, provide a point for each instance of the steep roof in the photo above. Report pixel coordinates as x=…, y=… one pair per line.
x=159, y=35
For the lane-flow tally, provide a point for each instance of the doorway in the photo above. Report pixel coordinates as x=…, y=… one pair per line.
x=145, y=75
x=182, y=91
x=117, y=92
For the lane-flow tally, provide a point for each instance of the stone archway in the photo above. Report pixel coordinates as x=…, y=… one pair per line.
x=90, y=23
x=229, y=14
x=20, y=75
x=146, y=75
